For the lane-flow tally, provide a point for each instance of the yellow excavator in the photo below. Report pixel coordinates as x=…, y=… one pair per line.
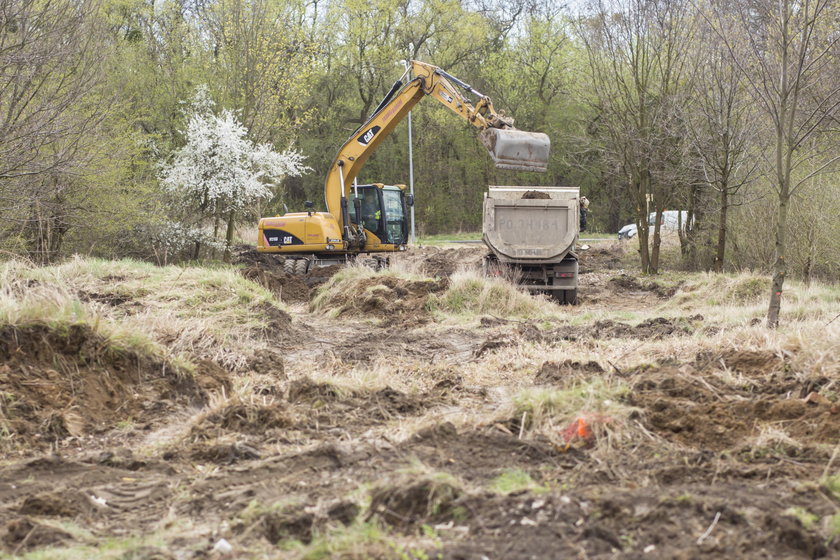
x=371, y=218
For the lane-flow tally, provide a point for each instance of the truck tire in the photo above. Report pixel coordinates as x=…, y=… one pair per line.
x=564, y=297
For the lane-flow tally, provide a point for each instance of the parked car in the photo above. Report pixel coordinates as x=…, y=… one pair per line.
x=628, y=231
x=671, y=220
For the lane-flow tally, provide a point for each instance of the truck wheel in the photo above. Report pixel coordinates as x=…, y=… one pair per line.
x=570, y=297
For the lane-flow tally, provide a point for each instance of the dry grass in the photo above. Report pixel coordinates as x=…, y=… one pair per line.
x=471, y=293
x=192, y=311
x=344, y=286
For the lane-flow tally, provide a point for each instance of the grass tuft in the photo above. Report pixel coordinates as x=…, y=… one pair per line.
x=471, y=293
x=515, y=480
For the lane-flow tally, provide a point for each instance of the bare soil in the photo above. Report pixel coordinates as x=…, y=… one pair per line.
x=105, y=445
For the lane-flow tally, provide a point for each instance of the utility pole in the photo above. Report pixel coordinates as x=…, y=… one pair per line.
x=413, y=238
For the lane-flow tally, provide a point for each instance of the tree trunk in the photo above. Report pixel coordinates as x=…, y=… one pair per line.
x=808, y=268
x=642, y=226
x=644, y=249
x=780, y=266
x=217, y=219
x=229, y=235
x=657, y=243
x=721, y=242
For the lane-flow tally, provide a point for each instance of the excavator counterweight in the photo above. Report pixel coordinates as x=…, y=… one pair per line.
x=517, y=149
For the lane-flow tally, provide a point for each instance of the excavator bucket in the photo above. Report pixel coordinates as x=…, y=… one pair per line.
x=517, y=149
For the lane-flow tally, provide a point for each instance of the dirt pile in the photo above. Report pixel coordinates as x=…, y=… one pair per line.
x=758, y=404
x=600, y=258
x=324, y=406
x=268, y=271
x=536, y=195
x=25, y=534
x=388, y=298
x=287, y=287
x=656, y=328
x=626, y=283
x=69, y=380
x=560, y=373
x=439, y=262
x=243, y=418
x=413, y=501
x=300, y=522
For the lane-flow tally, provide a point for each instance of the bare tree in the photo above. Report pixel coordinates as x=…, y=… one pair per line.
x=723, y=132
x=48, y=70
x=639, y=68
x=787, y=52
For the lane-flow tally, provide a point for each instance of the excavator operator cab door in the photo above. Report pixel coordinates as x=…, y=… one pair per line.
x=382, y=212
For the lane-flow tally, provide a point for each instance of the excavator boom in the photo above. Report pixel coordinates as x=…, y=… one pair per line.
x=373, y=217
x=509, y=148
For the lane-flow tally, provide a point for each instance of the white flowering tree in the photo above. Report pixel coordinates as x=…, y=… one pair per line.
x=220, y=171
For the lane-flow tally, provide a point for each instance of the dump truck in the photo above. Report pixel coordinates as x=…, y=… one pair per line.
x=532, y=233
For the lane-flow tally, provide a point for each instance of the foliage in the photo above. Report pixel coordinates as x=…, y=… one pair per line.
x=641, y=101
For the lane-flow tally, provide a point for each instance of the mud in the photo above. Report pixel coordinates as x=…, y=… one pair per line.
x=387, y=297
x=287, y=287
x=267, y=270
x=439, y=262
x=411, y=501
x=723, y=454
x=656, y=328
x=70, y=381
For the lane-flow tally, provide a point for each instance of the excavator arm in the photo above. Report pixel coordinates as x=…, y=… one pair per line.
x=509, y=148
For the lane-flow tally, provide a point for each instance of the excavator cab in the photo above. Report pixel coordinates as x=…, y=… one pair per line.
x=381, y=210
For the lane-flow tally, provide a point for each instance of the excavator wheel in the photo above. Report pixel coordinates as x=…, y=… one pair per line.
x=301, y=266
x=289, y=265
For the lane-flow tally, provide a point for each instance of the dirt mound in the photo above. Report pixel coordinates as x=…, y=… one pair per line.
x=326, y=407
x=306, y=390
x=218, y=453
x=705, y=412
x=301, y=522
x=536, y=195
x=268, y=362
x=627, y=283
x=56, y=504
x=242, y=418
x=410, y=502
x=440, y=262
x=386, y=297
x=753, y=361
x=25, y=534
x=287, y=287
x=599, y=258
x=69, y=380
x=562, y=372
x=267, y=270
x=655, y=328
